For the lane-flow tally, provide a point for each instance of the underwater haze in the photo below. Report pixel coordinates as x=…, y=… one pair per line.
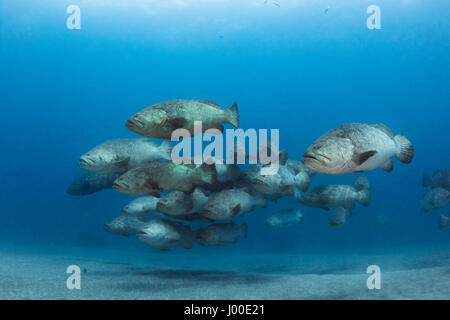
x=301, y=66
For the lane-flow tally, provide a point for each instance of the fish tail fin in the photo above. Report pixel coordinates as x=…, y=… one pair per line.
x=243, y=230
x=364, y=197
x=232, y=114
x=362, y=183
x=426, y=180
x=405, y=149
x=299, y=214
x=208, y=173
x=166, y=150
x=443, y=222
x=302, y=181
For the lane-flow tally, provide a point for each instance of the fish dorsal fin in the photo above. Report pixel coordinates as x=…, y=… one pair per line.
x=360, y=158
x=385, y=129
x=122, y=163
x=211, y=103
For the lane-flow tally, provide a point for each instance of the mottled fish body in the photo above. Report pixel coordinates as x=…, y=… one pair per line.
x=165, y=234
x=161, y=119
x=179, y=205
x=221, y=233
x=284, y=218
x=90, y=183
x=120, y=155
x=357, y=147
x=228, y=204
x=156, y=176
x=435, y=198
x=439, y=179
x=141, y=207
x=332, y=196
x=124, y=226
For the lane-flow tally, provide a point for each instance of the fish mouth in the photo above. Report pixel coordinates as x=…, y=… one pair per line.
x=83, y=163
x=308, y=157
x=134, y=124
x=120, y=186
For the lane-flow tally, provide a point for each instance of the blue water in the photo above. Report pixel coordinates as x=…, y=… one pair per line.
x=294, y=67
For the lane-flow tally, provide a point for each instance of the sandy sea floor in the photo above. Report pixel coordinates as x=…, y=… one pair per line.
x=40, y=273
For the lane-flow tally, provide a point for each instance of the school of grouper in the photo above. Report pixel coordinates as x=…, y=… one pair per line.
x=221, y=192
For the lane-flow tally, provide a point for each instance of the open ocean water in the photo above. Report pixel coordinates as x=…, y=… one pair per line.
x=301, y=66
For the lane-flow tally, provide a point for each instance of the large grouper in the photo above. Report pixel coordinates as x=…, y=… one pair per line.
x=161, y=119
x=357, y=147
x=156, y=176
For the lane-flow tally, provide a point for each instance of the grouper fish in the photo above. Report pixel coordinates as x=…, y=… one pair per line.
x=91, y=183
x=228, y=204
x=284, y=218
x=165, y=234
x=179, y=205
x=124, y=226
x=161, y=119
x=333, y=196
x=156, y=176
x=439, y=179
x=141, y=207
x=357, y=147
x=120, y=155
x=435, y=198
x=220, y=233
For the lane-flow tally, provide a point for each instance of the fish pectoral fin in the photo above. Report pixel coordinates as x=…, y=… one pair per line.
x=287, y=187
x=236, y=209
x=288, y=190
x=388, y=166
x=178, y=123
x=122, y=163
x=360, y=158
